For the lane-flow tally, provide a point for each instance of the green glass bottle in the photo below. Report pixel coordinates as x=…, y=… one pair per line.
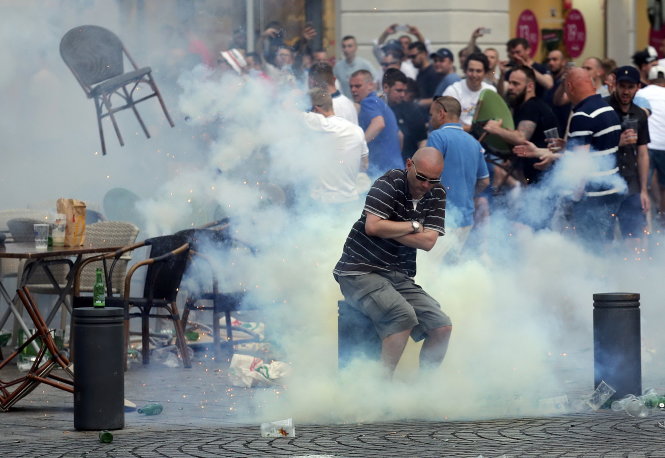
x=105, y=437
x=98, y=292
x=655, y=401
x=152, y=408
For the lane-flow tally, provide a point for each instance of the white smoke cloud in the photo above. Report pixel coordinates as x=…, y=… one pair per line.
x=521, y=312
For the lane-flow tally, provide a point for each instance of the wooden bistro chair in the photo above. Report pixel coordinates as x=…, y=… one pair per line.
x=48, y=359
x=96, y=57
x=207, y=245
x=164, y=270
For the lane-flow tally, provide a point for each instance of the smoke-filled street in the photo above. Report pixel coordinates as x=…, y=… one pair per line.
x=519, y=368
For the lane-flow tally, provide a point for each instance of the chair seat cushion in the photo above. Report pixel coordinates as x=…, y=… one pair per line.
x=116, y=82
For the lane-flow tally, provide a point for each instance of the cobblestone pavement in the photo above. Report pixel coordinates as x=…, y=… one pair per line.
x=42, y=425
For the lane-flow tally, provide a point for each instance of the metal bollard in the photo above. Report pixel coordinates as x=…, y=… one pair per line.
x=99, y=377
x=356, y=335
x=616, y=342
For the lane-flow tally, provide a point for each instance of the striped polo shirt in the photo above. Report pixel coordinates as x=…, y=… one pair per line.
x=389, y=198
x=593, y=122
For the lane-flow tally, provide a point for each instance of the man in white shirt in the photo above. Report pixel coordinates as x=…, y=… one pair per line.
x=341, y=156
x=321, y=75
x=655, y=94
x=468, y=90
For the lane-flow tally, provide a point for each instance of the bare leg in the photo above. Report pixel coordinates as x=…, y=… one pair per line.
x=434, y=348
x=392, y=348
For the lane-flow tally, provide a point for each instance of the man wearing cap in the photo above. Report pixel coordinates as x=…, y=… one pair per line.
x=428, y=78
x=632, y=155
x=655, y=94
x=644, y=60
x=443, y=64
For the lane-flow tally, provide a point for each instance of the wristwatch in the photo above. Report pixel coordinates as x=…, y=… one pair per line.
x=416, y=226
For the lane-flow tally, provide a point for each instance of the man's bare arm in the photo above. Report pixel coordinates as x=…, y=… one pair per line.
x=375, y=127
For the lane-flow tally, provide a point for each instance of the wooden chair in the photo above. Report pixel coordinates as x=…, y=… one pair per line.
x=96, y=57
x=164, y=270
x=47, y=360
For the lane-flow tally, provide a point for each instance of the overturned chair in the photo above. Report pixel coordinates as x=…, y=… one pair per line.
x=95, y=56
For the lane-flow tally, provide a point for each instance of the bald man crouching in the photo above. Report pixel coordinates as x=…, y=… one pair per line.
x=404, y=211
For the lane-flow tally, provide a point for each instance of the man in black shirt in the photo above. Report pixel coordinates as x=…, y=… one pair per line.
x=404, y=211
x=532, y=117
x=633, y=154
x=519, y=51
x=410, y=118
x=428, y=78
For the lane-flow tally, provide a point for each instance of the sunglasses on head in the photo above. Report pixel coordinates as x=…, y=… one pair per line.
x=420, y=177
x=437, y=99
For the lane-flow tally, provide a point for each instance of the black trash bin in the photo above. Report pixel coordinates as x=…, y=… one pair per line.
x=616, y=342
x=356, y=335
x=99, y=378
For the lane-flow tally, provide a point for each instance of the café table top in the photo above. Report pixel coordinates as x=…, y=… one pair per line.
x=27, y=250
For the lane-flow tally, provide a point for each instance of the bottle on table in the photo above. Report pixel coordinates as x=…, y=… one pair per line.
x=98, y=291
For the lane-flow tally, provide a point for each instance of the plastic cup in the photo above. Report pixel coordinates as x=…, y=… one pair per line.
x=58, y=231
x=601, y=395
x=41, y=236
x=632, y=125
x=551, y=133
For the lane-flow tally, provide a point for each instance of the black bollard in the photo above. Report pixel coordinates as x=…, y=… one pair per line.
x=99, y=377
x=616, y=342
x=356, y=335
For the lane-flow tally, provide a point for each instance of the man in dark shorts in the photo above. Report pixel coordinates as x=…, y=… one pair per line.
x=404, y=211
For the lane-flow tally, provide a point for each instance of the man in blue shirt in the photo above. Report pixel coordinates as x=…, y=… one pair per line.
x=379, y=124
x=464, y=176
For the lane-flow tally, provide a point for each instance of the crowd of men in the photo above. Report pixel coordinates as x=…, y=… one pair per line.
x=591, y=139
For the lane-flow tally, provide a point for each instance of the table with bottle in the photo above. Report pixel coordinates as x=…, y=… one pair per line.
x=40, y=258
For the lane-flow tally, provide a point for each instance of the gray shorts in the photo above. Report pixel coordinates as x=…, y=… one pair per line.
x=394, y=303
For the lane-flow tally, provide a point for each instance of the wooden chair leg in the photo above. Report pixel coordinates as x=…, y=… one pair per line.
x=109, y=109
x=98, y=109
x=145, y=335
x=126, y=346
x=181, y=343
x=130, y=102
x=161, y=101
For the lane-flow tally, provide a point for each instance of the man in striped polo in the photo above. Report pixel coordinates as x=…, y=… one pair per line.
x=594, y=129
x=404, y=211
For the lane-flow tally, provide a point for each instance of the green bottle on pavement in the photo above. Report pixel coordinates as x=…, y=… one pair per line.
x=654, y=401
x=105, y=437
x=152, y=408
x=98, y=293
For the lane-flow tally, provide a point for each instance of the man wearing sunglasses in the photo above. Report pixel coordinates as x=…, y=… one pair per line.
x=404, y=211
x=464, y=177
